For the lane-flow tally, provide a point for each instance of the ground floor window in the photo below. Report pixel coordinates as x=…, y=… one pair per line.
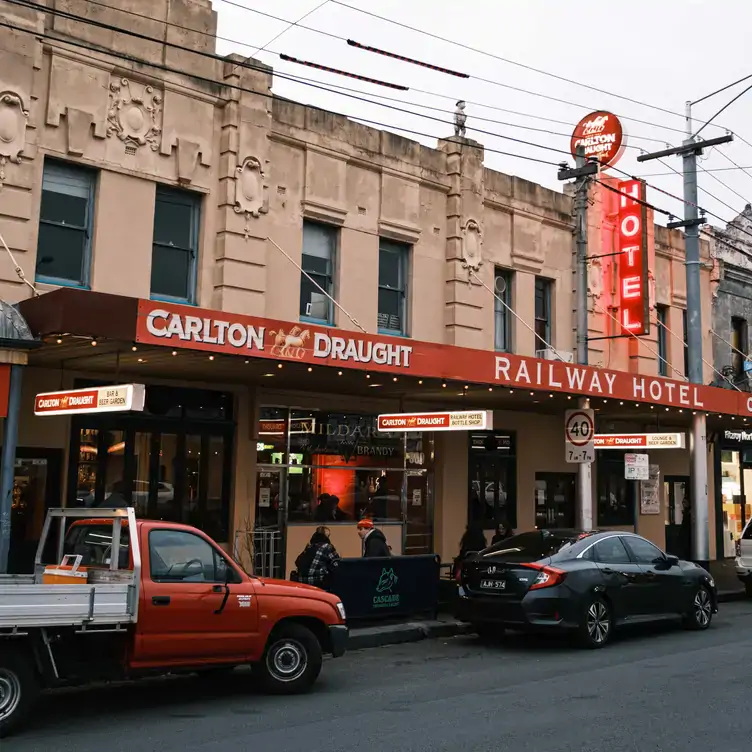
x=616, y=495
x=328, y=467
x=492, y=470
x=171, y=463
x=736, y=484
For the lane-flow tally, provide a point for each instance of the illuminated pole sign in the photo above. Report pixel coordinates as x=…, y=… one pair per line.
x=634, y=293
x=602, y=136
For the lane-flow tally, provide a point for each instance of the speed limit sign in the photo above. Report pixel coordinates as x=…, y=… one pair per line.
x=579, y=430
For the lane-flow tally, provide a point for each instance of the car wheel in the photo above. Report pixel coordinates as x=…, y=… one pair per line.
x=19, y=687
x=292, y=660
x=701, y=614
x=597, y=624
x=489, y=632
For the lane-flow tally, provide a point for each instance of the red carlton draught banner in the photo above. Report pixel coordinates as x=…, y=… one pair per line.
x=634, y=293
x=180, y=326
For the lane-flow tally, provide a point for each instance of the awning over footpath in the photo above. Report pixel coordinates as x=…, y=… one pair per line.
x=154, y=323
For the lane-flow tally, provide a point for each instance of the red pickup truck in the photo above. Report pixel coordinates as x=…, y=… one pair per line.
x=150, y=598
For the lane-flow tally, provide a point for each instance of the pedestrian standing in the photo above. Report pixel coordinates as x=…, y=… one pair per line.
x=319, y=559
x=374, y=541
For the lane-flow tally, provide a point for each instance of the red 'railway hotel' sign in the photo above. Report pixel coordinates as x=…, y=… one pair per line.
x=180, y=326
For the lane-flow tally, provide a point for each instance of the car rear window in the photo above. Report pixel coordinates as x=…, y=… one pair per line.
x=94, y=544
x=533, y=546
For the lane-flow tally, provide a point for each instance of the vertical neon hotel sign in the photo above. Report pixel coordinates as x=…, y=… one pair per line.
x=632, y=274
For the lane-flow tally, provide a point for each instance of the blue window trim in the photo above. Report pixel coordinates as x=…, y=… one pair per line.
x=329, y=320
x=404, y=251
x=44, y=280
x=196, y=202
x=91, y=177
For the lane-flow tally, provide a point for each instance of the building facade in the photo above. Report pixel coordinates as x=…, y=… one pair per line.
x=278, y=276
x=732, y=312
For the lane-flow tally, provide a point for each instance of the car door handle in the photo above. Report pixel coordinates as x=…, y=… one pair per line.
x=161, y=600
x=218, y=589
x=651, y=574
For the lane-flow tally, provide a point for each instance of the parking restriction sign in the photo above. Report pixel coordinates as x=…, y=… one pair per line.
x=579, y=432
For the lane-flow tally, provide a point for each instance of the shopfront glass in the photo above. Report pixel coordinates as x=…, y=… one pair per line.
x=736, y=492
x=172, y=462
x=330, y=467
x=492, y=469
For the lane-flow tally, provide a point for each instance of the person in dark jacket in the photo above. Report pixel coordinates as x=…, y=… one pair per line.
x=472, y=540
x=374, y=541
x=317, y=562
x=502, y=533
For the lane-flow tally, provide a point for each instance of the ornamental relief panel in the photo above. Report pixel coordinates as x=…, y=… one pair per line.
x=472, y=248
x=251, y=190
x=135, y=114
x=14, y=117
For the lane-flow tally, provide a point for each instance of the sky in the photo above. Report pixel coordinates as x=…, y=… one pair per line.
x=658, y=53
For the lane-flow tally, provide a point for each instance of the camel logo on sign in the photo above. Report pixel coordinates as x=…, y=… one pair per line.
x=290, y=344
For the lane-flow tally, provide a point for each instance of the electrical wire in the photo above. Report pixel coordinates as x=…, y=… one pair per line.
x=504, y=60
x=214, y=82
x=219, y=58
x=303, y=79
x=589, y=108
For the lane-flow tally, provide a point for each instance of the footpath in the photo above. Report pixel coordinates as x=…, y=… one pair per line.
x=445, y=625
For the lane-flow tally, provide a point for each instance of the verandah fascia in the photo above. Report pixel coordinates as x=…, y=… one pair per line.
x=591, y=382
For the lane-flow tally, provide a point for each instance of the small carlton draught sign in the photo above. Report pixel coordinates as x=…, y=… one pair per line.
x=602, y=136
x=465, y=420
x=634, y=293
x=103, y=399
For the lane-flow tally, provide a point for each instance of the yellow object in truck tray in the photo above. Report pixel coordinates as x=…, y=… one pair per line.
x=65, y=573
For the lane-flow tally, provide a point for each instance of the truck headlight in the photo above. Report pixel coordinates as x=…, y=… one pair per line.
x=341, y=609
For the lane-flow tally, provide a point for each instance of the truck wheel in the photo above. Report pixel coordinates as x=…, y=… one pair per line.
x=19, y=687
x=292, y=660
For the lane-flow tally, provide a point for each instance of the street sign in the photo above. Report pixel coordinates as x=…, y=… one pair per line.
x=636, y=467
x=579, y=430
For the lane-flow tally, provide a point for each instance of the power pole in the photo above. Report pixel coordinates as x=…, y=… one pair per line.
x=689, y=151
x=581, y=173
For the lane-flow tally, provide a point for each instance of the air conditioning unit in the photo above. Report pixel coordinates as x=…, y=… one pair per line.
x=550, y=354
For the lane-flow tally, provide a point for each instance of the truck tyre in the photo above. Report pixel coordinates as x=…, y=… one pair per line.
x=292, y=660
x=19, y=688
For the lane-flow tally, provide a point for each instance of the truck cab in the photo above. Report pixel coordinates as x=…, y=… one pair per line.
x=162, y=598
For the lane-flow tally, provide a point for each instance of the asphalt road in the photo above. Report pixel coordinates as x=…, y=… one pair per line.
x=649, y=691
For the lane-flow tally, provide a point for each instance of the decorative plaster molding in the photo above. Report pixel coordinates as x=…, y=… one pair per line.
x=136, y=119
x=251, y=190
x=14, y=117
x=188, y=152
x=402, y=233
x=472, y=248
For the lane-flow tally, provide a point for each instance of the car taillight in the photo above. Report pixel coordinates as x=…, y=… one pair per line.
x=458, y=573
x=548, y=577
x=738, y=547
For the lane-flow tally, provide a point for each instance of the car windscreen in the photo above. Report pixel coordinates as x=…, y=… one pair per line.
x=532, y=546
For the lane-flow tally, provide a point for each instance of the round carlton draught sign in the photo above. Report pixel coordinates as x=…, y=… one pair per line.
x=602, y=135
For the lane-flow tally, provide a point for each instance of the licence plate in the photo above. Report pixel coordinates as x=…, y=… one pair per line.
x=493, y=584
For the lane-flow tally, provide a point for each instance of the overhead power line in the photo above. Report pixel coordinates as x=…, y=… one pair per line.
x=504, y=59
x=584, y=107
x=215, y=82
x=219, y=58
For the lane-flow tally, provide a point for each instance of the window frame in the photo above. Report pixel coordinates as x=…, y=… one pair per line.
x=740, y=332
x=627, y=540
x=502, y=315
x=217, y=556
x=628, y=559
x=661, y=313
x=329, y=277
x=685, y=338
x=403, y=251
x=543, y=286
x=195, y=202
x=88, y=229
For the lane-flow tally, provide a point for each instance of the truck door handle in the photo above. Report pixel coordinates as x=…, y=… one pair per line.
x=218, y=589
x=161, y=600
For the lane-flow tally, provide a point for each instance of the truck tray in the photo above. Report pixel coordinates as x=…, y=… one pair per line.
x=26, y=605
